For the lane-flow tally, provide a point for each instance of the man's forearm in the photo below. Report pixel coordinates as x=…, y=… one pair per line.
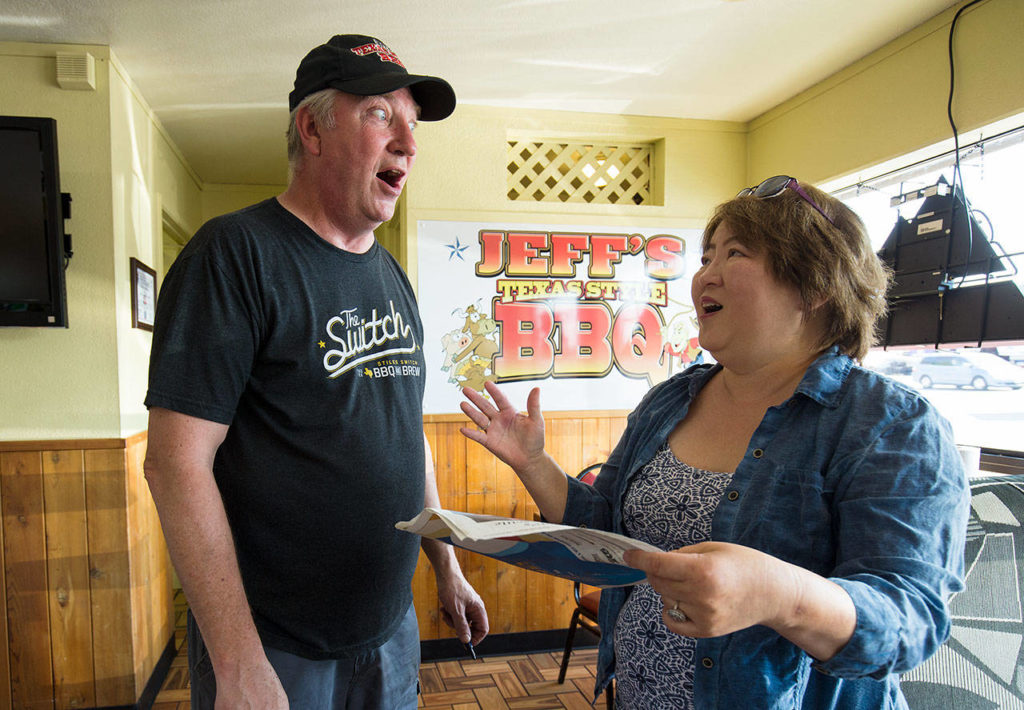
x=179, y=471
x=201, y=548
x=441, y=555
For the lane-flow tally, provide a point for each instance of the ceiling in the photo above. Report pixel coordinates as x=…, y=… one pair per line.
x=217, y=72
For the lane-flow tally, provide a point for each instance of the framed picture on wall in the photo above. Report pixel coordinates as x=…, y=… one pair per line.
x=143, y=295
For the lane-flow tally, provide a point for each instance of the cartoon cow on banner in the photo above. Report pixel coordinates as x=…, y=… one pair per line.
x=469, y=350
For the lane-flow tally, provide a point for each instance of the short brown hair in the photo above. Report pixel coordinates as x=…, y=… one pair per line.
x=832, y=264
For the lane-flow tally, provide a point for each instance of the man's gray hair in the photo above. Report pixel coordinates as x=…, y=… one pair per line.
x=321, y=105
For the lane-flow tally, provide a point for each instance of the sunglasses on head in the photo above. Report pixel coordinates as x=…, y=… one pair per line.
x=775, y=186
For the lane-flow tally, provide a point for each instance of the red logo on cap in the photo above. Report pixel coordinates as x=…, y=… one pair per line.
x=385, y=54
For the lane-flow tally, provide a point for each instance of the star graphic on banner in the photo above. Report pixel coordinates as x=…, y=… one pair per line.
x=456, y=249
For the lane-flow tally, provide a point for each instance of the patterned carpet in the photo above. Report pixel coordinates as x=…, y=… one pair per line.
x=516, y=682
x=981, y=667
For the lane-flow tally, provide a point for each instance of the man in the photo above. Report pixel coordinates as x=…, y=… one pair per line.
x=285, y=431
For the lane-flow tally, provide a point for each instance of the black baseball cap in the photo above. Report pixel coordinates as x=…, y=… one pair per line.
x=362, y=65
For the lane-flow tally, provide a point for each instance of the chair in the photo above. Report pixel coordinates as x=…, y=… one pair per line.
x=585, y=613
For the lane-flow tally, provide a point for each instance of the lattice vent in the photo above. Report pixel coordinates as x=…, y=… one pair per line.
x=546, y=171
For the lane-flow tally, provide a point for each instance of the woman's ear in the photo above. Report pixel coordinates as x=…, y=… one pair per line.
x=816, y=310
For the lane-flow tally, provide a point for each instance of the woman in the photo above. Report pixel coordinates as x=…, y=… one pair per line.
x=813, y=513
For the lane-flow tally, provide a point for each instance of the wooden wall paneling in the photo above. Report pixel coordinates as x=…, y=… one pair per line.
x=617, y=425
x=113, y=644
x=538, y=586
x=481, y=465
x=430, y=432
x=150, y=570
x=450, y=466
x=508, y=610
x=566, y=447
x=138, y=569
x=31, y=667
x=67, y=556
x=5, y=659
x=595, y=435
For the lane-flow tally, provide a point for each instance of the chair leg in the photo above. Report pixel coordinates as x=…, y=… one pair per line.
x=573, y=623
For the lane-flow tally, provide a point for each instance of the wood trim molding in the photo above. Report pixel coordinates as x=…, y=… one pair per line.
x=588, y=414
x=65, y=444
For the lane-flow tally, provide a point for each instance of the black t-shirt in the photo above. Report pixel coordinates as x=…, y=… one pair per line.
x=313, y=356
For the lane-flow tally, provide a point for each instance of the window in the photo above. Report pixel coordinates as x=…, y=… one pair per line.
x=980, y=389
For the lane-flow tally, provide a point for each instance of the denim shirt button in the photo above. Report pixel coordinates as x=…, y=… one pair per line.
x=733, y=495
x=758, y=453
x=707, y=662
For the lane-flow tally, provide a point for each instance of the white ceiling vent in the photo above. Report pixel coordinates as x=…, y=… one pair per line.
x=76, y=70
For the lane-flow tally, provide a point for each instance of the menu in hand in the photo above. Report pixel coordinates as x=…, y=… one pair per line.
x=592, y=557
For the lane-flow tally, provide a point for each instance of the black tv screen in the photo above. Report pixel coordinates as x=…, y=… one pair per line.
x=32, y=291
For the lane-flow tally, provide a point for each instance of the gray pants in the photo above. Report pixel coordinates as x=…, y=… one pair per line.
x=382, y=679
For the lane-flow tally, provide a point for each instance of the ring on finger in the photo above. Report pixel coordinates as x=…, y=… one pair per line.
x=676, y=614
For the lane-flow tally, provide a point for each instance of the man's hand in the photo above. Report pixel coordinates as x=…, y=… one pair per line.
x=254, y=686
x=462, y=608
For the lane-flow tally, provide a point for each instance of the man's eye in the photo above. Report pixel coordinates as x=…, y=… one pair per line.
x=379, y=113
x=412, y=125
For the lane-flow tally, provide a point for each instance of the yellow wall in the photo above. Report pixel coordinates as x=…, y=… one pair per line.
x=893, y=102
x=221, y=199
x=88, y=381
x=55, y=380
x=127, y=179
x=460, y=169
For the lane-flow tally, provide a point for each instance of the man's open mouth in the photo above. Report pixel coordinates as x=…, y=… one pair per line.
x=391, y=177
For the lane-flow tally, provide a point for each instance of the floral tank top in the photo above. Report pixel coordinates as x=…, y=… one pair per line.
x=668, y=504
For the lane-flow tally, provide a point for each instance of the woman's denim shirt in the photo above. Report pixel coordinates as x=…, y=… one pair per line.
x=856, y=478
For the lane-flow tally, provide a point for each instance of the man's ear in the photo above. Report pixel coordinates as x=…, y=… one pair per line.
x=308, y=130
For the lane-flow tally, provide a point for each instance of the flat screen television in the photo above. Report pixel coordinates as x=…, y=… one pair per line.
x=32, y=243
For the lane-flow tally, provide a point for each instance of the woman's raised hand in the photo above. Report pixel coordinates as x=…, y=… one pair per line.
x=515, y=438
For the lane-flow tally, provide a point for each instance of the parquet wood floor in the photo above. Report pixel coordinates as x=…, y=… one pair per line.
x=515, y=682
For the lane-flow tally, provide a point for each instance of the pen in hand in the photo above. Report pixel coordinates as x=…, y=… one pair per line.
x=469, y=641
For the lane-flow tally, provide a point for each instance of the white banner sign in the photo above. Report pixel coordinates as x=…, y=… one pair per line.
x=593, y=315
